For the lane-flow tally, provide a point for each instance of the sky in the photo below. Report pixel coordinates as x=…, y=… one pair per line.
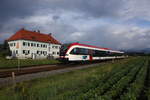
x=116, y=24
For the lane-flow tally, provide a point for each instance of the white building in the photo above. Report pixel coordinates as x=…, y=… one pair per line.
x=30, y=44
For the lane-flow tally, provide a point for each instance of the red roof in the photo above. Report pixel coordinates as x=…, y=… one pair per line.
x=33, y=36
x=89, y=46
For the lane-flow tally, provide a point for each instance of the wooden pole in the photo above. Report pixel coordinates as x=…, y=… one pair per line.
x=14, y=84
x=13, y=78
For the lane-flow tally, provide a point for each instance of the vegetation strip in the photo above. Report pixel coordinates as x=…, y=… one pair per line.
x=136, y=87
x=143, y=94
x=121, y=84
x=14, y=63
x=105, y=86
x=148, y=92
x=93, y=82
x=108, y=82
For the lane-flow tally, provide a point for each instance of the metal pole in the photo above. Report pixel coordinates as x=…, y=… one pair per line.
x=18, y=64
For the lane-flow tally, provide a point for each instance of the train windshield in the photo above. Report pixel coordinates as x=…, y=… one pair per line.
x=63, y=49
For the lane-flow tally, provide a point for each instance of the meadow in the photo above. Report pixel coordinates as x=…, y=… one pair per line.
x=127, y=79
x=13, y=63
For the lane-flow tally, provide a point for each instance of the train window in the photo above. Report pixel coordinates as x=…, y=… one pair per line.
x=75, y=51
x=115, y=54
x=83, y=51
x=110, y=53
x=79, y=51
x=97, y=53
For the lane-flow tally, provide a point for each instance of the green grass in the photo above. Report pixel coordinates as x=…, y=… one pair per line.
x=116, y=83
x=13, y=63
x=104, y=81
x=67, y=86
x=135, y=88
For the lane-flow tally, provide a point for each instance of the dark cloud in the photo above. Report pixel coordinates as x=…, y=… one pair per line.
x=15, y=8
x=22, y=8
x=91, y=8
x=97, y=22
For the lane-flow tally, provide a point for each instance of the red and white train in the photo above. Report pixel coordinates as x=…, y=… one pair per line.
x=83, y=52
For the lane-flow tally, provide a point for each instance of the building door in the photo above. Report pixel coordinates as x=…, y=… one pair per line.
x=33, y=55
x=49, y=49
x=13, y=53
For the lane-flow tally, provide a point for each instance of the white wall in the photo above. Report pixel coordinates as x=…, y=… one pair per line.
x=49, y=49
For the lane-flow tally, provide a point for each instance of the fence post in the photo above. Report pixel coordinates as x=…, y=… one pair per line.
x=13, y=78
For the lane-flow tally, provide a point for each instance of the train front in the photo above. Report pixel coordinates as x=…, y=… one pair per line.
x=63, y=57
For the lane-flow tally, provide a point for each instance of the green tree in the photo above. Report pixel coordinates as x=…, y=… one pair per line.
x=4, y=49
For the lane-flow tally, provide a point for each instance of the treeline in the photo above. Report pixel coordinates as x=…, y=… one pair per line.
x=4, y=49
x=137, y=54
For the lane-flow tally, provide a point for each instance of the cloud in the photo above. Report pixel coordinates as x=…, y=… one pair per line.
x=117, y=24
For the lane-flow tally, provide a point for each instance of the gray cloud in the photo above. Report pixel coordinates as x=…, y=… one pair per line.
x=98, y=22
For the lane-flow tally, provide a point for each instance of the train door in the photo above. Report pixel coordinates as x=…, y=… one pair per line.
x=90, y=55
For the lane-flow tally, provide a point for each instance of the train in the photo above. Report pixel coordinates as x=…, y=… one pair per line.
x=75, y=52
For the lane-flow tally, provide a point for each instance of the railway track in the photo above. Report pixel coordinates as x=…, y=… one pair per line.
x=4, y=73
x=43, y=68
x=8, y=72
x=29, y=73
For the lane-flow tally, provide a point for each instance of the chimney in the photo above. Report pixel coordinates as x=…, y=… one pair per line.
x=38, y=31
x=50, y=34
x=22, y=28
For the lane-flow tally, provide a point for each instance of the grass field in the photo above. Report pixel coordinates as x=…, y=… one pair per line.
x=127, y=79
x=13, y=63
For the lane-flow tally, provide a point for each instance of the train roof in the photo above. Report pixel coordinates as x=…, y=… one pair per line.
x=108, y=49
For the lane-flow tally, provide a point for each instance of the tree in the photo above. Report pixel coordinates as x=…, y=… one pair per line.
x=5, y=50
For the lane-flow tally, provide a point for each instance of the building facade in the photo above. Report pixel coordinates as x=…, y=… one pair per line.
x=30, y=44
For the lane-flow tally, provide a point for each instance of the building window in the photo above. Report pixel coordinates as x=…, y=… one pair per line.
x=28, y=44
x=14, y=44
x=53, y=53
x=31, y=44
x=26, y=52
x=57, y=53
x=24, y=43
x=44, y=53
x=10, y=44
x=16, y=51
x=38, y=52
x=34, y=45
x=37, y=45
x=49, y=48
